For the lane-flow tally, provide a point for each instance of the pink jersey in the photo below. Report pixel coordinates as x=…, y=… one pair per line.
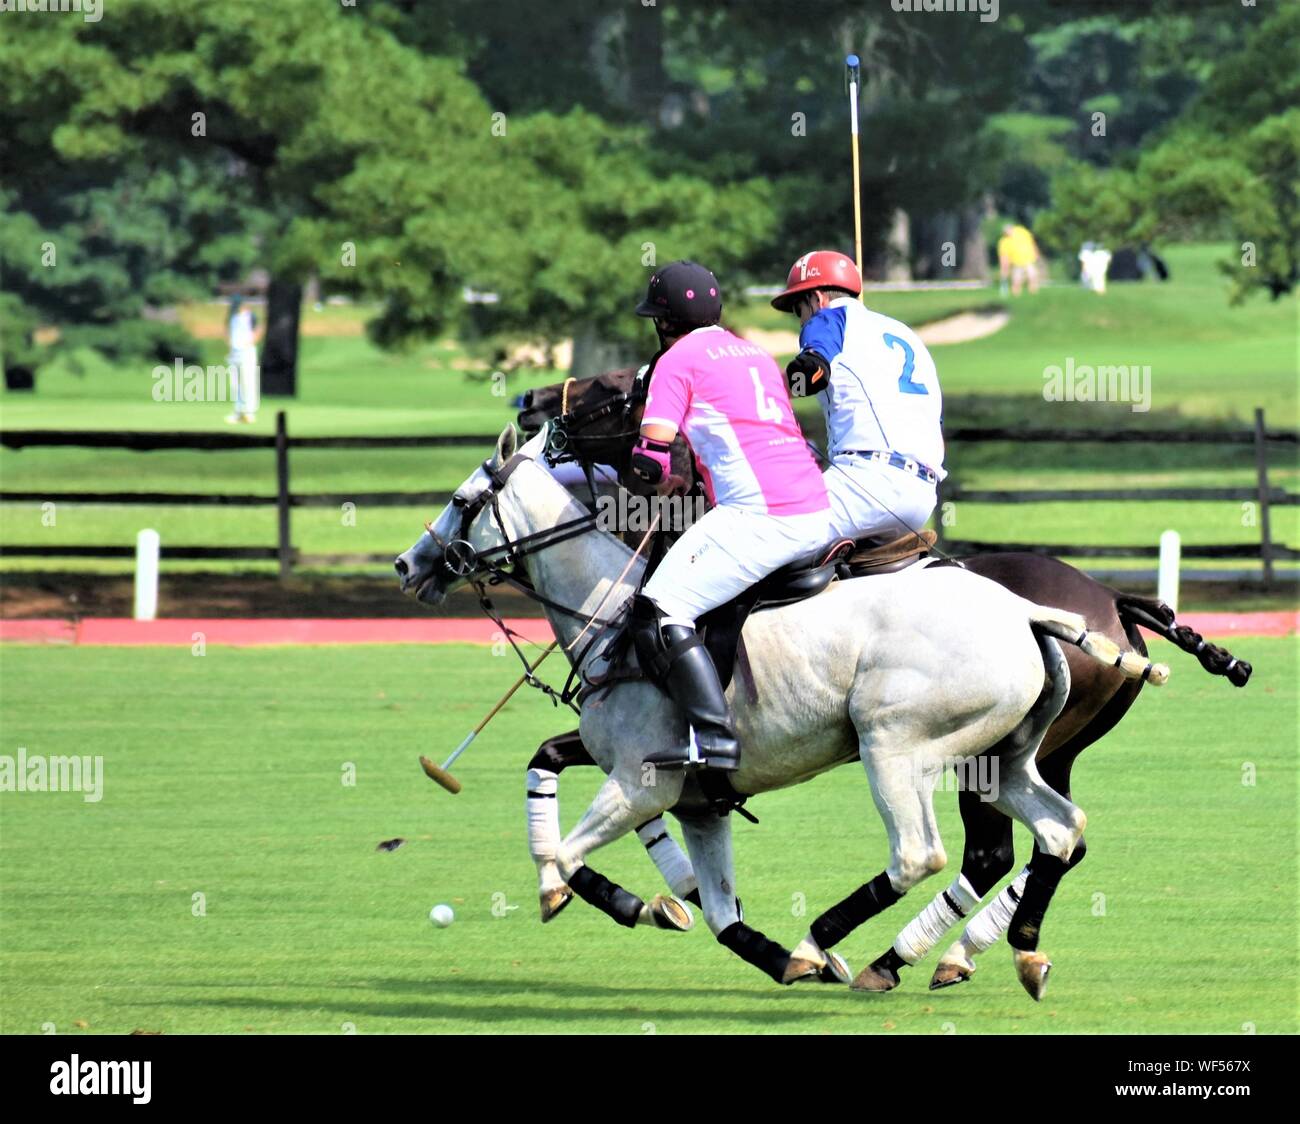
x=730, y=400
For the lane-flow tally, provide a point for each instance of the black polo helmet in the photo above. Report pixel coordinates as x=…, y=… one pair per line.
x=683, y=291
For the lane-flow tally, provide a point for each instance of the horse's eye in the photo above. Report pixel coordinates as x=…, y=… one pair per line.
x=457, y=501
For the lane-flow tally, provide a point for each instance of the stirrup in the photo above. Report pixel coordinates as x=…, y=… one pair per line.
x=694, y=756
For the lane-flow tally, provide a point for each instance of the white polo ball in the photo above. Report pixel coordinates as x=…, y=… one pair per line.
x=442, y=916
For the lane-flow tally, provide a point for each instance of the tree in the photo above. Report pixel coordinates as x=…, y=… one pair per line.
x=1230, y=164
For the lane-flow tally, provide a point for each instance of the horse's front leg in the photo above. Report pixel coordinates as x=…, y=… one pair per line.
x=542, y=805
x=619, y=806
x=708, y=839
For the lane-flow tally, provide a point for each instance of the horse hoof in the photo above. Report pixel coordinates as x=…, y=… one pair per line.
x=1032, y=968
x=553, y=901
x=835, y=970
x=668, y=913
x=831, y=967
x=797, y=969
x=875, y=977
x=948, y=974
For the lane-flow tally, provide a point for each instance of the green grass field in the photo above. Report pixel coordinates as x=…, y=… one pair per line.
x=223, y=777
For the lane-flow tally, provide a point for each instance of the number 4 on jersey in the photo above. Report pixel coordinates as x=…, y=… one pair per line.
x=768, y=410
x=905, y=383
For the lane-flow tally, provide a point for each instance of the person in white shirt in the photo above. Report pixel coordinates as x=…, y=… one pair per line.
x=242, y=332
x=880, y=395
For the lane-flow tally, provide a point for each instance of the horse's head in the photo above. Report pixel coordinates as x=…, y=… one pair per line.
x=542, y=403
x=454, y=547
x=596, y=421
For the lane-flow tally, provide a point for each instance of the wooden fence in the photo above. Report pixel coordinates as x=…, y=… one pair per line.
x=285, y=500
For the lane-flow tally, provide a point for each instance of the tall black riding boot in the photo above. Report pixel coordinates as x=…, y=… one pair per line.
x=693, y=683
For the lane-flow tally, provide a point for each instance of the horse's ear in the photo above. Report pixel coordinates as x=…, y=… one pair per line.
x=507, y=444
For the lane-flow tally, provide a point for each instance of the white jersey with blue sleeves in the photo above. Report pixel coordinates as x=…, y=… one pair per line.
x=884, y=390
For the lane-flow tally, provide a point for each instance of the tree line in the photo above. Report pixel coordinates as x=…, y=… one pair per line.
x=401, y=151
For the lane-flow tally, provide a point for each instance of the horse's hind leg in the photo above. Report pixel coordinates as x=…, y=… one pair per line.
x=987, y=857
x=708, y=838
x=902, y=785
x=1057, y=825
x=617, y=809
x=958, y=962
x=1022, y=905
x=1044, y=871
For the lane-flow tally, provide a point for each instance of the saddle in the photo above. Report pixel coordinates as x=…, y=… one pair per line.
x=796, y=581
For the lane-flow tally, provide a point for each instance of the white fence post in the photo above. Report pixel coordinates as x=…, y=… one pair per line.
x=146, y=575
x=1167, y=583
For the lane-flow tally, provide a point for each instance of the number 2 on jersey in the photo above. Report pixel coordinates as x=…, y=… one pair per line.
x=768, y=410
x=905, y=383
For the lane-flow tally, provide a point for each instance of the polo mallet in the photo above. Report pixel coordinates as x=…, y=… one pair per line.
x=439, y=772
x=853, y=74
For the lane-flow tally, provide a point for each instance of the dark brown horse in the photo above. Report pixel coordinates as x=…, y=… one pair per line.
x=597, y=419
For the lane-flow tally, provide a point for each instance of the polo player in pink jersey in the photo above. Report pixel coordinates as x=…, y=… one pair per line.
x=730, y=401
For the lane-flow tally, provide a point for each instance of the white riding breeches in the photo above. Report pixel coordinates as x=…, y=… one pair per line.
x=874, y=498
x=726, y=551
x=245, y=389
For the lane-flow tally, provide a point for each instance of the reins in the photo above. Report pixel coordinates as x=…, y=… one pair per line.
x=462, y=560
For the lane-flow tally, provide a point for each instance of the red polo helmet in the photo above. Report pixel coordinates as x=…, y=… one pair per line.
x=820, y=269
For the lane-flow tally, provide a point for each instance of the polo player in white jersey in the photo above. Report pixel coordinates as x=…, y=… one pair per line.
x=880, y=394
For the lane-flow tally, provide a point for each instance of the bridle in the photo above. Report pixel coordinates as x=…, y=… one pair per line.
x=461, y=560
x=563, y=444
x=483, y=568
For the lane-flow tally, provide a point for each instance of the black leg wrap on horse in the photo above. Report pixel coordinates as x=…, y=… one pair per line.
x=754, y=948
x=889, y=965
x=608, y=897
x=865, y=902
x=1045, y=873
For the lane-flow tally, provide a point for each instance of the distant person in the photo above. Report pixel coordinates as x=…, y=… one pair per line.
x=1094, y=263
x=1018, y=258
x=242, y=332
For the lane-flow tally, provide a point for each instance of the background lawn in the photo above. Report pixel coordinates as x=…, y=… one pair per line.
x=223, y=777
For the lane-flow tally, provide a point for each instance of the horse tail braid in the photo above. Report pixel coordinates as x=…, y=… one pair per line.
x=1159, y=618
x=1073, y=629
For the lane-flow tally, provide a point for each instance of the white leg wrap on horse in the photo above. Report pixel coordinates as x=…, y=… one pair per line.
x=927, y=928
x=668, y=856
x=543, y=805
x=995, y=919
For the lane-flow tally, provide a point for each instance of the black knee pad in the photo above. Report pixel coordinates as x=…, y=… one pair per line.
x=558, y=753
x=644, y=620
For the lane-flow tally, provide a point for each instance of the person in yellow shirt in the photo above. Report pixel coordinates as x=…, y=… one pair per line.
x=1018, y=258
